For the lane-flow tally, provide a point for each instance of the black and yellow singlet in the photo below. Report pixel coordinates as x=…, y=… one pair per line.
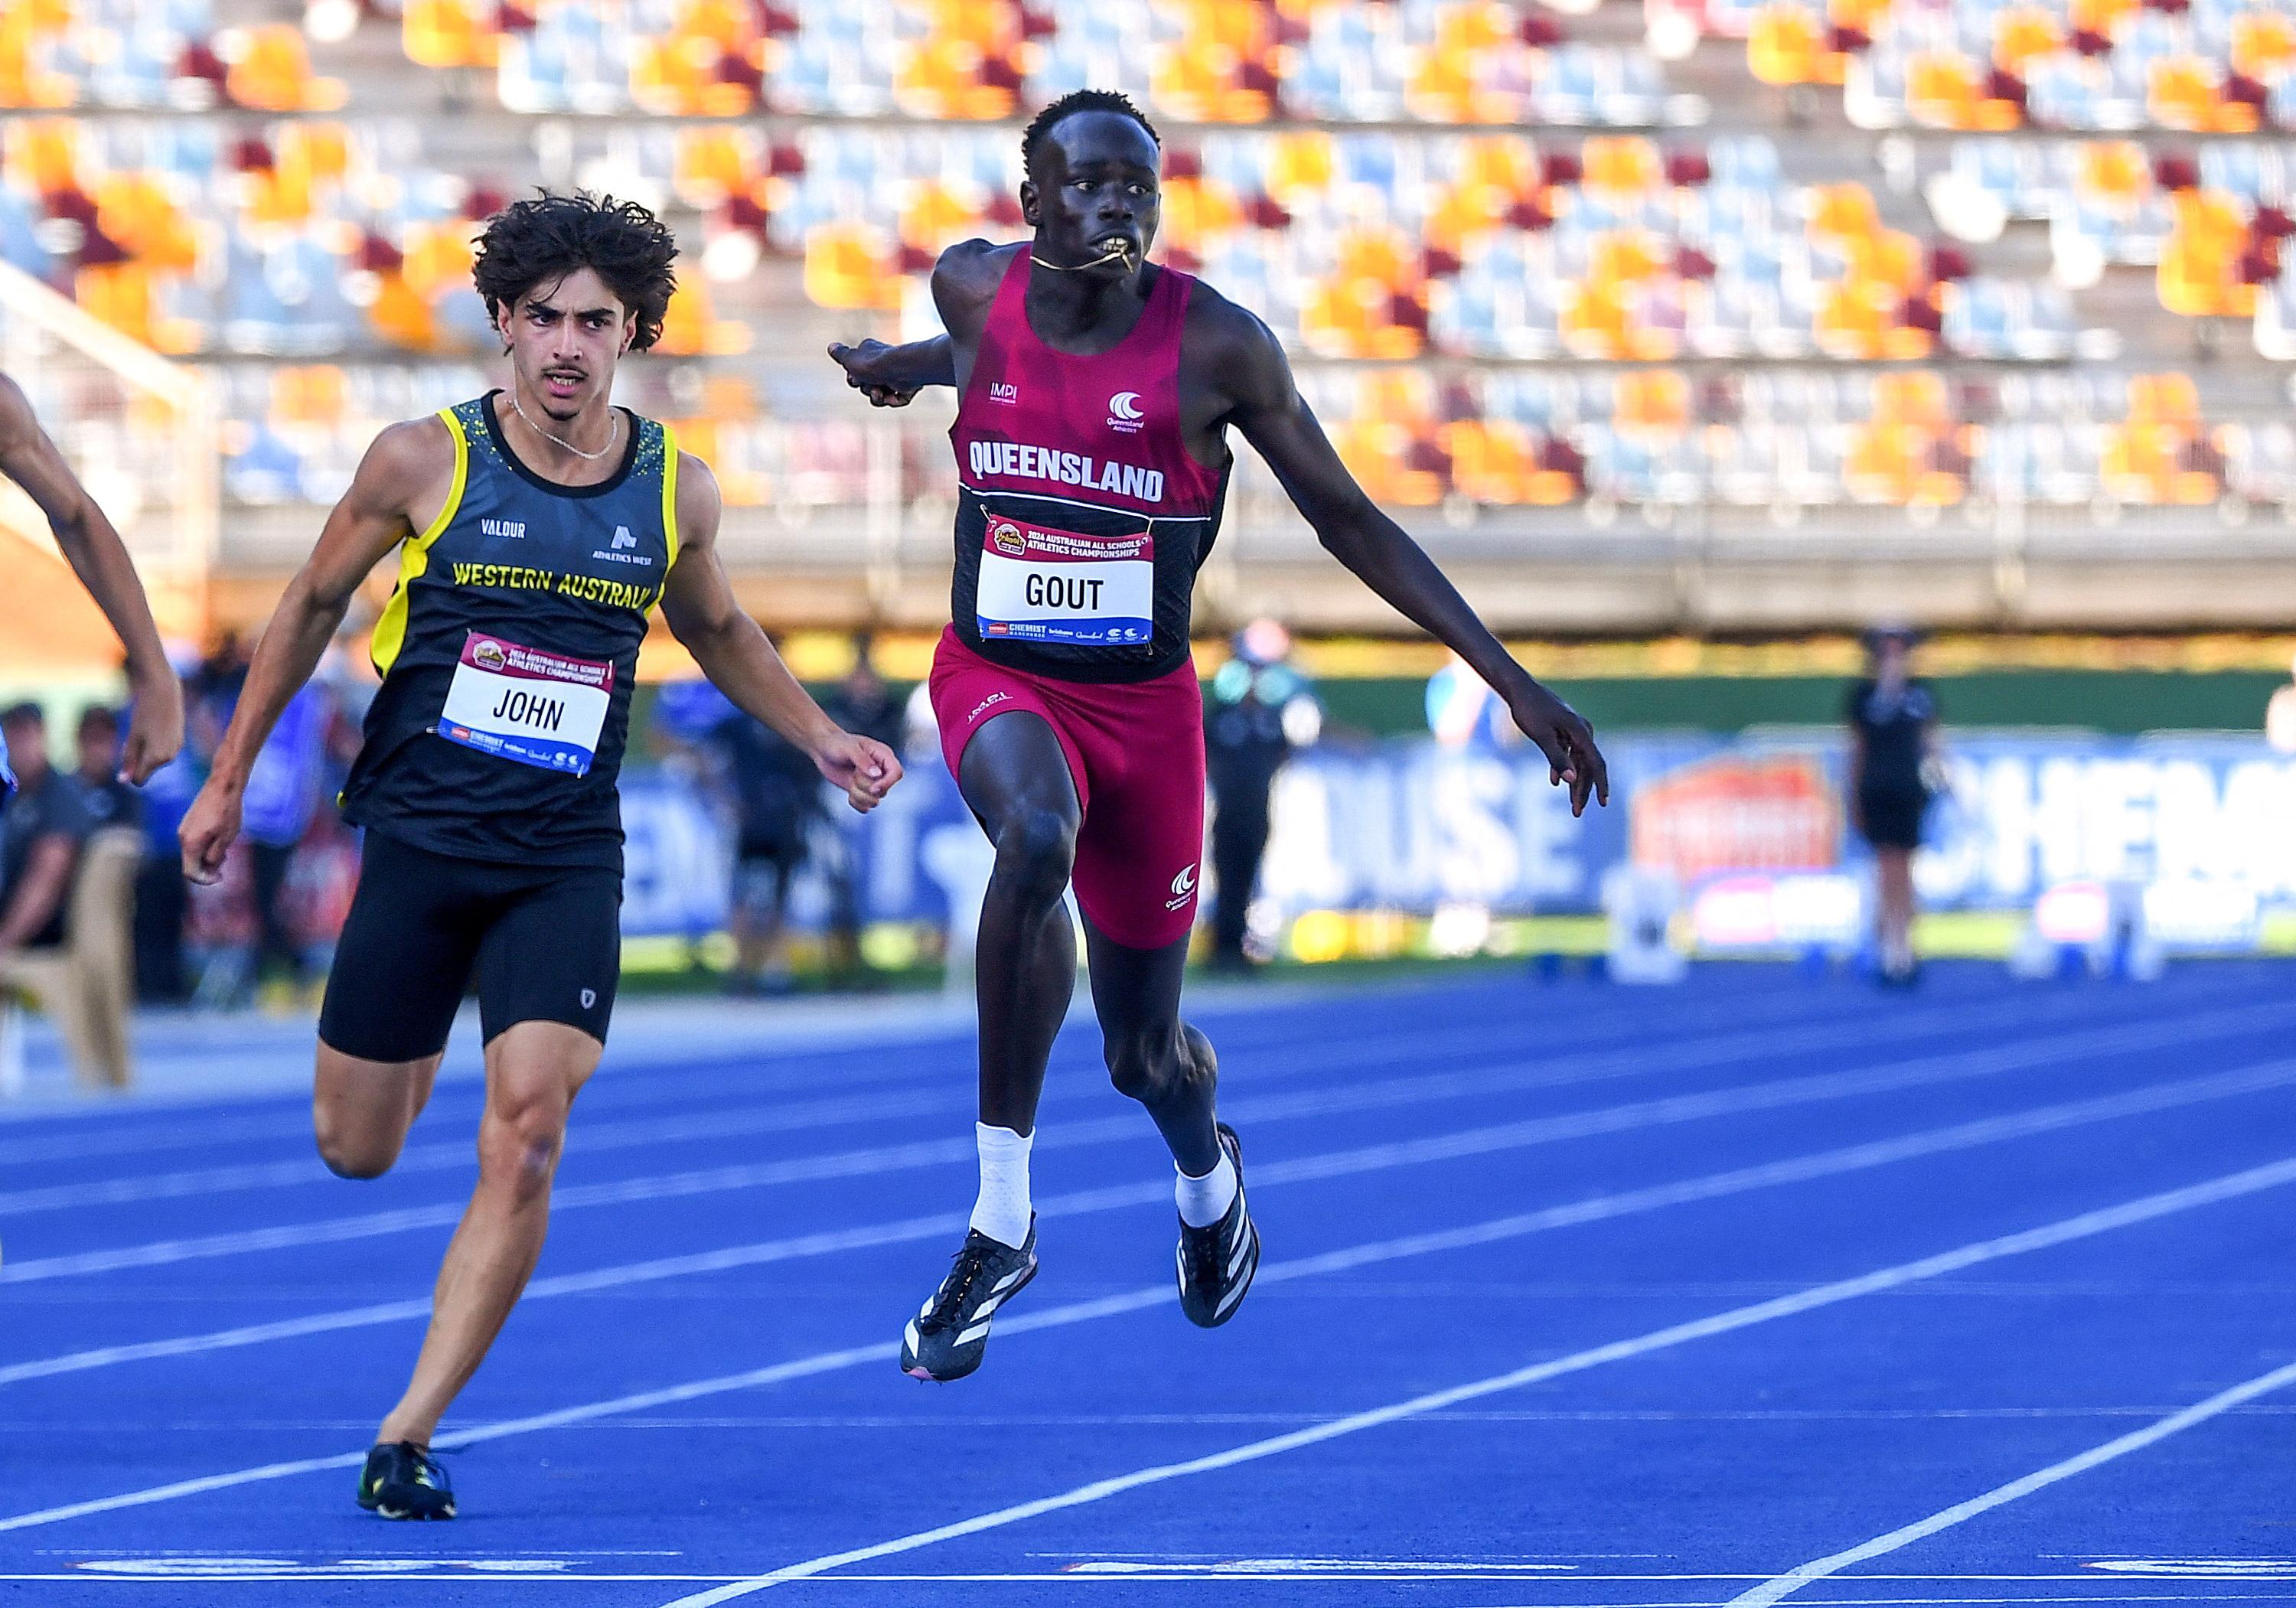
x=508, y=650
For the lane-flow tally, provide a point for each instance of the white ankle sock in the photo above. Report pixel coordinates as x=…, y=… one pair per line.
x=1002, y=1210
x=1205, y=1200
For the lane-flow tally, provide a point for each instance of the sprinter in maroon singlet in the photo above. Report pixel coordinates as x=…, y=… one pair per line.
x=1095, y=390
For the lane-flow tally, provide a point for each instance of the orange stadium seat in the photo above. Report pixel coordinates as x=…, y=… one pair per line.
x=134, y=209
x=1653, y=402
x=690, y=330
x=40, y=155
x=1301, y=164
x=2199, y=275
x=1197, y=212
x=25, y=86
x=270, y=71
x=1947, y=90
x=119, y=293
x=1621, y=169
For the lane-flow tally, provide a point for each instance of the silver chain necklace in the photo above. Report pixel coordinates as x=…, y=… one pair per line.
x=613, y=431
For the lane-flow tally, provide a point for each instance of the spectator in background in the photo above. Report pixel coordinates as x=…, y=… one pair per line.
x=162, y=896
x=864, y=704
x=1261, y=710
x=110, y=801
x=1893, y=720
x=283, y=788
x=776, y=793
x=42, y=833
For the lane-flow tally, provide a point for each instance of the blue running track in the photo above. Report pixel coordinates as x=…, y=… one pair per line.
x=1759, y=1289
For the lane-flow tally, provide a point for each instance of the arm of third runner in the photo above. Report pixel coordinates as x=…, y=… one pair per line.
x=698, y=601
x=1267, y=408
x=890, y=376
x=404, y=473
x=100, y=559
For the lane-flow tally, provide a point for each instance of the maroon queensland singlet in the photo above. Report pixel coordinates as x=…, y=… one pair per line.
x=1081, y=518
x=1079, y=529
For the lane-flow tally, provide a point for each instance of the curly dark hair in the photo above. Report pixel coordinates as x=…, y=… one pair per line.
x=1032, y=137
x=546, y=237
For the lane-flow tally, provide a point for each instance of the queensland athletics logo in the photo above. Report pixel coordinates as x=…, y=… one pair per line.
x=1183, y=889
x=1124, y=412
x=489, y=656
x=1006, y=538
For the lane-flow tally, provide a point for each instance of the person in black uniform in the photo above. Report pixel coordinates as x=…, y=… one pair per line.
x=1893, y=734
x=861, y=703
x=536, y=528
x=1260, y=709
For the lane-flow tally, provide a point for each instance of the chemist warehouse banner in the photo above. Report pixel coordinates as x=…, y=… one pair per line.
x=1408, y=826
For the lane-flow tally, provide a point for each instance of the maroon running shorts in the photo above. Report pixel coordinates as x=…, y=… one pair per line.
x=1135, y=752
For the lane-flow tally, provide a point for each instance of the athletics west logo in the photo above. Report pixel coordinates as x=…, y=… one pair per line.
x=621, y=550
x=1183, y=889
x=1007, y=539
x=1124, y=412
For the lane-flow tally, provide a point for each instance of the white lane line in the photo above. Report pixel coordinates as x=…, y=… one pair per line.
x=1386, y=1094
x=2086, y=1225
x=667, y=1079
x=814, y=1112
x=2121, y=1445
x=1632, y=1202
x=1985, y=1130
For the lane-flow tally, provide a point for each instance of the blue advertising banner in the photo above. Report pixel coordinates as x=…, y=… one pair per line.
x=1413, y=826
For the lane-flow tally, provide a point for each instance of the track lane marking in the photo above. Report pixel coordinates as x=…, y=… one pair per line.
x=1833, y=1292
x=1915, y=1072
x=1712, y=1186
x=1781, y=1587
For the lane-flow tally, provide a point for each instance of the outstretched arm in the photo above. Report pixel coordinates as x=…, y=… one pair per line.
x=100, y=559
x=403, y=471
x=699, y=603
x=1267, y=406
x=890, y=376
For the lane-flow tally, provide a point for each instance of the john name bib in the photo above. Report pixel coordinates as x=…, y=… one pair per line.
x=526, y=704
x=1038, y=585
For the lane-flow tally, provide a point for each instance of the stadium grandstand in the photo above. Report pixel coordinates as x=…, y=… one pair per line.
x=1693, y=314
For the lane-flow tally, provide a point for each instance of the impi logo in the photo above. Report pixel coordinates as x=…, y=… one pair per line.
x=1183, y=889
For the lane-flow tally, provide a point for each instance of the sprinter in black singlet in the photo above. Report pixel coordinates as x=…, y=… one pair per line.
x=536, y=528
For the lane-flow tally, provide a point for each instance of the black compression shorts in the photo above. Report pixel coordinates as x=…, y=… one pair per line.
x=544, y=943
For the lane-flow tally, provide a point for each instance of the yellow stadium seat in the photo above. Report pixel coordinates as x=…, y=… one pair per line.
x=1947, y=90
x=2102, y=18
x=1299, y=164
x=2184, y=91
x=449, y=33
x=439, y=259
x=1492, y=460
x=1841, y=212
x=935, y=215
x=2022, y=35
x=1621, y=169
x=25, y=86
x=1886, y=257
x=2199, y=274
x=312, y=393
x=1861, y=16
x=2116, y=172
x=1918, y=399
x=2172, y=400
x=689, y=329
x=848, y=267
x=1198, y=211
x=1653, y=402
x=133, y=208
x=712, y=162
x=402, y=318
x=1787, y=45
x=119, y=293
x=40, y=154
x=2263, y=44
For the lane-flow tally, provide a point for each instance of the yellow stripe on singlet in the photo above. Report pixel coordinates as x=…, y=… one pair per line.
x=669, y=496
x=414, y=554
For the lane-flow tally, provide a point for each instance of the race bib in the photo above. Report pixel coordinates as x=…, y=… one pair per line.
x=525, y=704
x=1056, y=586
